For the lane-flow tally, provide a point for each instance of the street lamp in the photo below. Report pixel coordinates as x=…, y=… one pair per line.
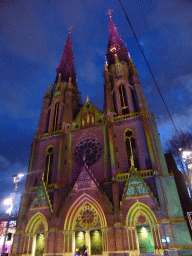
x=187, y=156
x=10, y=201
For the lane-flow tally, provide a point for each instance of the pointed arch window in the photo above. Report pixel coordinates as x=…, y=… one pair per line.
x=47, y=123
x=134, y=97
x=48, y=165
x=131, y=149
x=55, y=118
x=114, y=102
x=123, y=99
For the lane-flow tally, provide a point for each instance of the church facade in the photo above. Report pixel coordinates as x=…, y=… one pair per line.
x=98, y=181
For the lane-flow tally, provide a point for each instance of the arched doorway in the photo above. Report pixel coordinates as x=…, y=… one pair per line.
x=87, y=226
x=38, y=227
x=39, y=244
x=142, y=229
x=86, y=223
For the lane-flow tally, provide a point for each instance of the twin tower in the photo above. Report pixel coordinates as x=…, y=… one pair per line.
x=98, y=181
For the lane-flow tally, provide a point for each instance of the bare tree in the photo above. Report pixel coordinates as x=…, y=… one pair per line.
x=177, y=144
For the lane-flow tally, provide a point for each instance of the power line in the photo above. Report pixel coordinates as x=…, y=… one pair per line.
x=149, y=68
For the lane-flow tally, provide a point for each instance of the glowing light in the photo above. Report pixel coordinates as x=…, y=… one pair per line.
x=167, y=239
x=8, y=201
x=187, y=155
x=144, y=232
x=20, y=175
x=113, y=49
x=9, y=210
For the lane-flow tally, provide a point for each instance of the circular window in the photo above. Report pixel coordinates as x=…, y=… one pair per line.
x=90, y=149
x=88, y=217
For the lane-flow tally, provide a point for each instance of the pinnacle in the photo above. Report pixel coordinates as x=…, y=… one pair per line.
x=66, y=68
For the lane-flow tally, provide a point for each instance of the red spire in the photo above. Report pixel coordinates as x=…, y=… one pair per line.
x=115, y=45
x=66, y=67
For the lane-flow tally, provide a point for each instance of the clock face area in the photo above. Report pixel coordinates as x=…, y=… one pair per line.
x=91, y=148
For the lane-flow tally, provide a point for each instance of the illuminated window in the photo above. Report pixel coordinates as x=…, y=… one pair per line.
x=55, y=119
x=92, y=119
x=48, y=165
x=88, y=119
x=131, y=149
x=83, y=123
x=123, y=99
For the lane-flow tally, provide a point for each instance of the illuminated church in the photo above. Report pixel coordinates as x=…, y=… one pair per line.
x=98, y=181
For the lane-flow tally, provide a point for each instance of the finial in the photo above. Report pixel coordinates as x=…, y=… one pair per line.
x=109, y=12
x=59, y=80
x=70, y=29
x=87, y=98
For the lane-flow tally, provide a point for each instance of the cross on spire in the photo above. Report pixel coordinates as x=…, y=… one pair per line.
x=70, y=29
x=109, y=12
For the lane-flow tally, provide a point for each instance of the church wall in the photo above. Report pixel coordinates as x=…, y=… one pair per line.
x=119, y=142
x=63, y=161
x=60, y=238
x=111, y=240
x=168, y=196
x=39, y=158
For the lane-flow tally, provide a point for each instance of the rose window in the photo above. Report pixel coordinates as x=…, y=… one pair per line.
x=90, y=149
x=87, y=217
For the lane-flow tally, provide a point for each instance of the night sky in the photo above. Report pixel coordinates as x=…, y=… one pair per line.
x=33, y=34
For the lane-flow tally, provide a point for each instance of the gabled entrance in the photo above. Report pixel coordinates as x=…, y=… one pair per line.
x=86, y=222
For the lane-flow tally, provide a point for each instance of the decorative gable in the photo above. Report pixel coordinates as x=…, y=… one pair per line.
x=41, y=199
x=88, y=116
x=135, y=186
x=85, y=180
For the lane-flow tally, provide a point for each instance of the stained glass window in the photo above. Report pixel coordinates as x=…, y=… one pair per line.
x=90, y=148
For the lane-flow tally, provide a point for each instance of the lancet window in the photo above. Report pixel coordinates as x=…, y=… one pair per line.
x=48, y=165
x=114, y=102
x=134, y=97
x=88, y=119
x=123, y=99
x=131, y=149
x=47, y=123
x=55, y=118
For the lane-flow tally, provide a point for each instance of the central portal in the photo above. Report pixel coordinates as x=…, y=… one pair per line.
x=90, y=241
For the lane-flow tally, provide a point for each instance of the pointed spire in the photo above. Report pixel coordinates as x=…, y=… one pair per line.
x=66, y=67
x=115, y=45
